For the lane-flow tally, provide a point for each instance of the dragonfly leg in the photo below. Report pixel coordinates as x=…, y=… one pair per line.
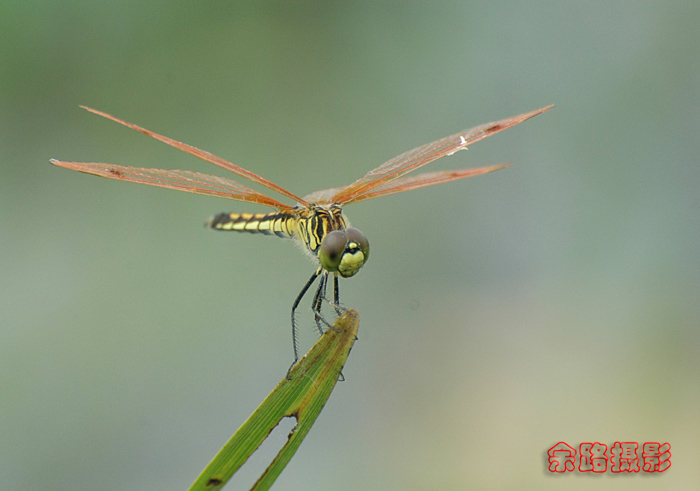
x=336, y=295
x=295, y=343
x=339, y=309
x=316, y=302
x=336, y=301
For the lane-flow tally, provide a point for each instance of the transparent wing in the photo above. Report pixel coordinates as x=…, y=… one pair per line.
x=379, y=178
x=204, y=155
x=181, y=180
x=422, y=180
x=405, y=184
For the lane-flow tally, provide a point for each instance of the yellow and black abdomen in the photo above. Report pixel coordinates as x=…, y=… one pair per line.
x=280, y=223
x=308, y=225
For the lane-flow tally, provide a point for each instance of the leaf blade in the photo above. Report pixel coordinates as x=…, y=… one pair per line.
x=303, y=396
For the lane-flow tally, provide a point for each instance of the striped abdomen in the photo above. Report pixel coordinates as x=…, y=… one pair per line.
x=309, y=225
x=280, y=223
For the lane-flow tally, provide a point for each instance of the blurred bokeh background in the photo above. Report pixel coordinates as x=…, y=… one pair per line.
x=557, y=300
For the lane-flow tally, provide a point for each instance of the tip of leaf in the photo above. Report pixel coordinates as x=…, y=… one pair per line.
x=302, y=396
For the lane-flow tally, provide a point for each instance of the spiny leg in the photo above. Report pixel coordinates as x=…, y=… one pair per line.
x=339, y=309
x=336, y=295
x=320, y=297
x=294, y=308
x=317, y=302
x=336, y=301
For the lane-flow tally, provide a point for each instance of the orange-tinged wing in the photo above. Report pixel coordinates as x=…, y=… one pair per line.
x=376, y=182
x=242, y=193
x=425, y=179
x=405, y=184
x=181, y=180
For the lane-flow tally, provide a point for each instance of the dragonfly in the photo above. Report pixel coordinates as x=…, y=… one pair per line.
x=316, y=220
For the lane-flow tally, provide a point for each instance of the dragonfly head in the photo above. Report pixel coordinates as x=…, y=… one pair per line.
x=344, y=251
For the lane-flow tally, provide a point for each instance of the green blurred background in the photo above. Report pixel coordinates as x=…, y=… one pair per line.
x=557, y=300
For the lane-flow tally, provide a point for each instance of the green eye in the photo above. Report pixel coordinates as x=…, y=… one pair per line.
x=332, y=248
x=359, y=238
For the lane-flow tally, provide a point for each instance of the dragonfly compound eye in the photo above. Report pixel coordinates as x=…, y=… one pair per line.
x=332, y=248
x=355, y=254
x=357, y=237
